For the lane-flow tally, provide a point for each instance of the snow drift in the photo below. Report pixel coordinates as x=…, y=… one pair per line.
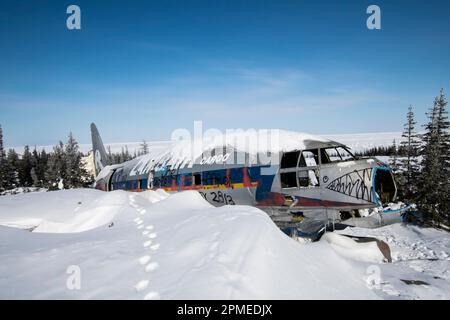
x=151, y=245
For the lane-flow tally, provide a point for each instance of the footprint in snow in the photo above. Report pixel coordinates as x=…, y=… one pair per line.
x=155, y=247
x=141, y=285
x=144, y=260
x=152, y=296
x=146, y=232
x=151, y=267
x=152, y=235
x=147, y=243
x=140, y=226
x=149, y=227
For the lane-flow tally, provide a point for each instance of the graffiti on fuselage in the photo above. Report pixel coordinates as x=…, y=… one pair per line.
x=147, y=164
x=354, y=184
x=217, y=159
x=218, y=197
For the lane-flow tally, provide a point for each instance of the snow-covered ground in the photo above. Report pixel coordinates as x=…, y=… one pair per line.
x=20, y=190
x=151, y=245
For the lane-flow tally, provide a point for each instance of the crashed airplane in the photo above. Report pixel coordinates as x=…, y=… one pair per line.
x=302, y=176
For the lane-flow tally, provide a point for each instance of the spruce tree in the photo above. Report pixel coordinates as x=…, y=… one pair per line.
x=394, y=164
x=76, y=174
x=434, y=177
x=56, y=167
x=443, y=141
x=127, y=154
x=25, y=166
x=409, y=163
x=108, y=148
x=12, y=165
x=72, y=160
x=34, y=165
x=394, y=157
x=3, y=164
x=144, y=148
x=42, y=167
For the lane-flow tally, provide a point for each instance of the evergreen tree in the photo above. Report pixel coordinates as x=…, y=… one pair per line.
x=110, y=156
x=34, y=177
x=56, y=167
x=144, y=147
x=72, y=159
x=443, y=131
x=76, y=173
x=443, y=141
x=124, y=155
x=393, y=161
x=41, y=167
x=25, y=166
x=394, y=164
x=12, y=165
x=409, y=163
x=434, y=178
x=3, y=165
x=34, y=164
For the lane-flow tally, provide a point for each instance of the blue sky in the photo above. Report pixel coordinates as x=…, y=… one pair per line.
x=141, y=69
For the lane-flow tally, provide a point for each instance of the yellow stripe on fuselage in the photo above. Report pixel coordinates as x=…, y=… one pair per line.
x=213, y=186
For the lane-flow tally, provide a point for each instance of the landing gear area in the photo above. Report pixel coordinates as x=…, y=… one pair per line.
x=311, y=225
x=312, y=228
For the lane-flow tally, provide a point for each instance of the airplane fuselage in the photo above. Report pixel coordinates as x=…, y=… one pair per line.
x=302, y=180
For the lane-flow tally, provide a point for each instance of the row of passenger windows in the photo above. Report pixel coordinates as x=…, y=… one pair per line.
x=185, y=180
x=310, y=158
x=159, y=182
x=214, y=177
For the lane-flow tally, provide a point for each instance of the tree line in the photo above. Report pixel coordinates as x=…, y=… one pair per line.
x=61, y=168
x=421, y=163
x=391, y=150
x=124, y=155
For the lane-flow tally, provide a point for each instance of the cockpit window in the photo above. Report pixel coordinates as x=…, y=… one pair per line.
x=345, y=154
x=332, y=154
x=336, y=154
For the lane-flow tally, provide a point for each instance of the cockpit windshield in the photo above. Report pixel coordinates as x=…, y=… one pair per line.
x=335, y=154
x=310, y=158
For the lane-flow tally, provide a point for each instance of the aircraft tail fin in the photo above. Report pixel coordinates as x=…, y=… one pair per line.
x=100, y=157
